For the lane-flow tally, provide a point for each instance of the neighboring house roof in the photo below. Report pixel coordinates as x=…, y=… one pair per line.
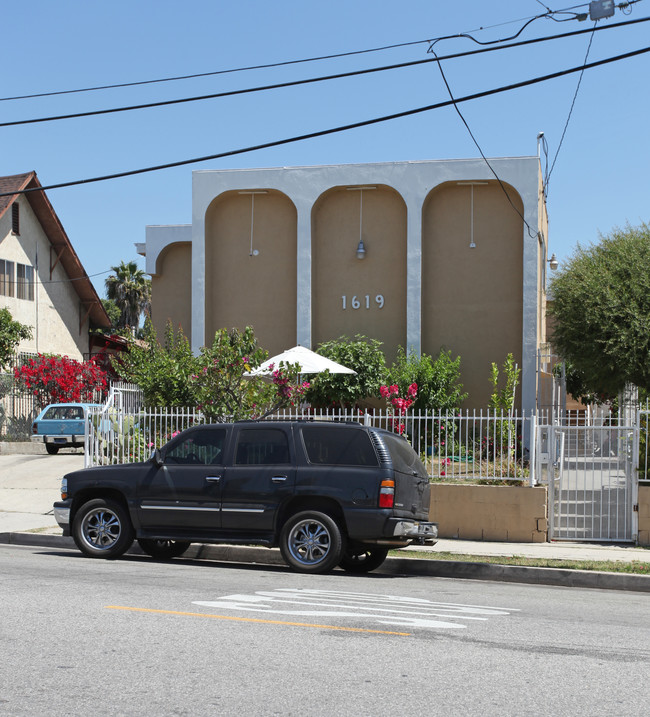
x=63, y=251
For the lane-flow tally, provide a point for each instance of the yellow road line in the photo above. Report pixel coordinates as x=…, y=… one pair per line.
x=254, y=619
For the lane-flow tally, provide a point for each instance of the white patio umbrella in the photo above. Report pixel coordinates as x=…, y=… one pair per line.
x=309, y=361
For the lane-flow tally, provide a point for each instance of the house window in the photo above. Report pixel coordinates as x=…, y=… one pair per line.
x=25, y=282
x=15, y=218
x=6, y=278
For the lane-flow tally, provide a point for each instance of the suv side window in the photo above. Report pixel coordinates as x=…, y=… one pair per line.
x=340, y=446
x=201, y=447
x=262, y=446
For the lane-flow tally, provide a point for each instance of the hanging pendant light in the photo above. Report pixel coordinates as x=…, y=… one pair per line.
x=253, y=252
x=361, y=248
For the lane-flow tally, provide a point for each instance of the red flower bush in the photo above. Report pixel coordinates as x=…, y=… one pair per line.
x=400, y=405
x=59, y=379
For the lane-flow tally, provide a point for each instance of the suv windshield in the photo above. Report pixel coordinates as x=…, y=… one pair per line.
x=405, y=459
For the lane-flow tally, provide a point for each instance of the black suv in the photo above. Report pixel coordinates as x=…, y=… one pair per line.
x=327, y=493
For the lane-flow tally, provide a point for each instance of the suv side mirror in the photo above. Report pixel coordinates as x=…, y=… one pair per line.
x=156, y=457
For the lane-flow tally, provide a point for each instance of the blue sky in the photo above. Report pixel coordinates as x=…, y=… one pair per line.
x=601, y=178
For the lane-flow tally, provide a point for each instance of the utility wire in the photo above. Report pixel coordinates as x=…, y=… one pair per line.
x=77, y=278
x=295, y=83
x=286, y=62
x=531, y=233
x=335, y=130
x=566, y=125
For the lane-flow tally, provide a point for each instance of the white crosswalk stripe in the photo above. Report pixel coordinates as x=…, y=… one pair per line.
x=379, y=609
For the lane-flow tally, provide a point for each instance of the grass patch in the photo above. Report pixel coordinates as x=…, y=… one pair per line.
x=606, y=566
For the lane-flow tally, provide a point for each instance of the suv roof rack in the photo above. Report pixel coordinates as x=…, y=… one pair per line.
x=300, y=419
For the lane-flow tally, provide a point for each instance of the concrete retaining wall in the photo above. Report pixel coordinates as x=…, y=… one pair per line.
x=644, y=513
x=480, y=512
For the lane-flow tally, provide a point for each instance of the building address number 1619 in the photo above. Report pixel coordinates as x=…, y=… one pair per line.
x=365, y=302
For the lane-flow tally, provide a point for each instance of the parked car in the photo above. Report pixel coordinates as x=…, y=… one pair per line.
x=61, y=425
x=327, y=493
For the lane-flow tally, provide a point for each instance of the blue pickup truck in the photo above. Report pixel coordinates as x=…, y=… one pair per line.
x=61, y=425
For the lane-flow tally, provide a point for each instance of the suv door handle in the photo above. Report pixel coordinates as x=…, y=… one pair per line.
x=278, y=479
x=213, y=479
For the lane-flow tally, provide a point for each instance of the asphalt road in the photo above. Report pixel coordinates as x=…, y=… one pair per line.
x=136, y=637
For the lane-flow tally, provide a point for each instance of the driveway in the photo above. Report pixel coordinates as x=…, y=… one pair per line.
x=29, y=484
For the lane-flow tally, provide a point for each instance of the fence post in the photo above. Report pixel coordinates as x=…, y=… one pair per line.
x=532, y=453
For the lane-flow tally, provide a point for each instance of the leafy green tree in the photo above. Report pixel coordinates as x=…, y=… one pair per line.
x=601, y=307
x=503, y=398
x=224, y=389
x=216, y=381
x=11, y=334
x=363, y=355
x=130, y=290
x=162, y=371
x=438, y=380
x=113, y=312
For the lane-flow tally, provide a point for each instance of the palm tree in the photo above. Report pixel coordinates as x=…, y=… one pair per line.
x=130, y=289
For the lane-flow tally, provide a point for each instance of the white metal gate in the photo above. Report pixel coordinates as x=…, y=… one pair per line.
x=591, y=473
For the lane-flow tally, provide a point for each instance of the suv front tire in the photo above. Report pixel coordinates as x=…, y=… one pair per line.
x=102, y=529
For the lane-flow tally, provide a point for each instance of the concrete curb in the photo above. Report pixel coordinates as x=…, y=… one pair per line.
x=392, y=566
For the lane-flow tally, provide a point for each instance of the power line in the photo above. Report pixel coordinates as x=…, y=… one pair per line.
x=285, y=63
x=335, y=130
x=566, y=125
x=531, y=233
x=215, y=72
x=77, y=278
x=311, y=80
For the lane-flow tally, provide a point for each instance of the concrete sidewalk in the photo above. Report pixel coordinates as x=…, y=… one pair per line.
x=29, y=484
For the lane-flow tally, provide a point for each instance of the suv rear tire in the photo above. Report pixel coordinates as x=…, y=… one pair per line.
x=312, y=542
x=51, y=449
x=102, y=529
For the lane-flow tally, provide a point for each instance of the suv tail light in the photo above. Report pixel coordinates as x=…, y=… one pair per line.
x=387, y=494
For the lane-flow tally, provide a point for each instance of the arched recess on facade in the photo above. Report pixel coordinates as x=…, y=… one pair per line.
x=472, y=278
x=171, y=289
x=352, y=295
x=250, y=266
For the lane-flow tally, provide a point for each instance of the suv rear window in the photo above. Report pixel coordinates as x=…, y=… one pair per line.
x=338, y=446
x=405, y=459
x=64, y=413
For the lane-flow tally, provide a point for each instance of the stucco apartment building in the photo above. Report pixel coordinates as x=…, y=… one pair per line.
x=425, y=254
x=42, y=281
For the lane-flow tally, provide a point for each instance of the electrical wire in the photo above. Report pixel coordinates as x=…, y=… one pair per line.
x=550, y=15
x=77, y=278
x=311, y=80
x=335, y=130
x=279, y=64
x=566, y=124
x=531, y=233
